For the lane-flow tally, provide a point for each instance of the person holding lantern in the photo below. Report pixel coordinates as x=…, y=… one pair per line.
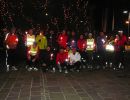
x=11, y=41
x=41, y=41
x=63, y=39
x=81, y=47
x=90, y=49
x=62, y=60
x=32, y=56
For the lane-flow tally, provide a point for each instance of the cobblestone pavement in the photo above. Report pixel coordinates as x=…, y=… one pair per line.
x=85, y=85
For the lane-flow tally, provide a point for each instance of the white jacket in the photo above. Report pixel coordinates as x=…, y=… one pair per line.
x=74, y=58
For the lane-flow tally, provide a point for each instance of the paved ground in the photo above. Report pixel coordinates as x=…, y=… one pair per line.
x=85, y=85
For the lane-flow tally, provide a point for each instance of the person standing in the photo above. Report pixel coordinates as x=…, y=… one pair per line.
x=11, y=41
x=41, y=41
x=90, y=49
x=101, y=41
x=63, y=39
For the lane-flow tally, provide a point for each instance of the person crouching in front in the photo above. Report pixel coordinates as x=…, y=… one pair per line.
x=75, y=60
x=32, y=55
x=61, y=60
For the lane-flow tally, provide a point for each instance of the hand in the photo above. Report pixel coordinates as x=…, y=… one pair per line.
x=29, y=57
x=33, y=60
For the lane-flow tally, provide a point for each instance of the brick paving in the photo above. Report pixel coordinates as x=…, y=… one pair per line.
x=85, y=85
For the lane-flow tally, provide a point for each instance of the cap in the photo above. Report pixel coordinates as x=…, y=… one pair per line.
x=90, y=34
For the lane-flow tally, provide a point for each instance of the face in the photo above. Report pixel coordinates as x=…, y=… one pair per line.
x=34, y=45
x=90, y=36
x=117, y=37
x=101, y=34
x=73, y=33
x=13, y=30
x=61, y=50
x=64, y=32
x=81, y=36
x=41, y=33
x=30, y=31
x=74, y=50
x=67, y=48
x=120, y=33
x=48, y=48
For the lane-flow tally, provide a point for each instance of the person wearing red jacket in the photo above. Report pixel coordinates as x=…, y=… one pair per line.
x=11, y=41
x=119, y=54
x=61, y=59
x=63, y=39
x=32, y=56
x=81, y=43
x=82, y=46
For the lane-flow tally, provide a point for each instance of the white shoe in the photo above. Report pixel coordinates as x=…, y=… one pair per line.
x=60, y=70
x=14, y=68
x=54, y=70
x=35, y=69
x=66, y=72
x=29, y=69
x=77, y=70
x=7, y=70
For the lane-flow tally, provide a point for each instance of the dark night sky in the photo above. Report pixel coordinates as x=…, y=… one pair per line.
x=34, y=11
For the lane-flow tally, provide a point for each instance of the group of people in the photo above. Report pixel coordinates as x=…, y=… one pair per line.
x=72, y=53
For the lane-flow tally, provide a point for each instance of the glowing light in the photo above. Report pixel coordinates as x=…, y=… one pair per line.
x=125, y=12
x=17, y=39
x=46, y=14
x=61, y=38
x=103, y=41
x=66, y=60
x=73, y=41
x=52, y=55
x=109, y=47
x=127, y=22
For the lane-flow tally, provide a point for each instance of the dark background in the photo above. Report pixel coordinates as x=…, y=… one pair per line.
x=78, y=15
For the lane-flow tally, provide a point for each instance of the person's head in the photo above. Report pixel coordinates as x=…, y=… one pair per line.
x=73, y=33
x=73, y=50
x=34, y=44
x=120, y=33
x=67, y=48
x=48, y=48
x=111, y=37
x=81, y=36
x=117, y=37
x=30, y=31
x=63, y=32
x=61, y=50
x=13, y=30
x=101, y=33
x=90, y=35
x=41, y=32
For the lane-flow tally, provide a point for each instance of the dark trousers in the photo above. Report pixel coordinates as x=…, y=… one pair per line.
x=119, y=58
x=101, y=58
x=12, y=59
x=63, y=66
x=31, y=63
x=90, y=57
x=42, y=56
x=75, y=66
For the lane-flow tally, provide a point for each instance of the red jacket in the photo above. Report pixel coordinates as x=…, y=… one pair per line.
x=11, y=41
x=81, y=44
x=123, y=40
x=62, y=40
x=61, y=57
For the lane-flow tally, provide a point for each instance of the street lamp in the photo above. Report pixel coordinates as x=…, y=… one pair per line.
x=128, y=21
